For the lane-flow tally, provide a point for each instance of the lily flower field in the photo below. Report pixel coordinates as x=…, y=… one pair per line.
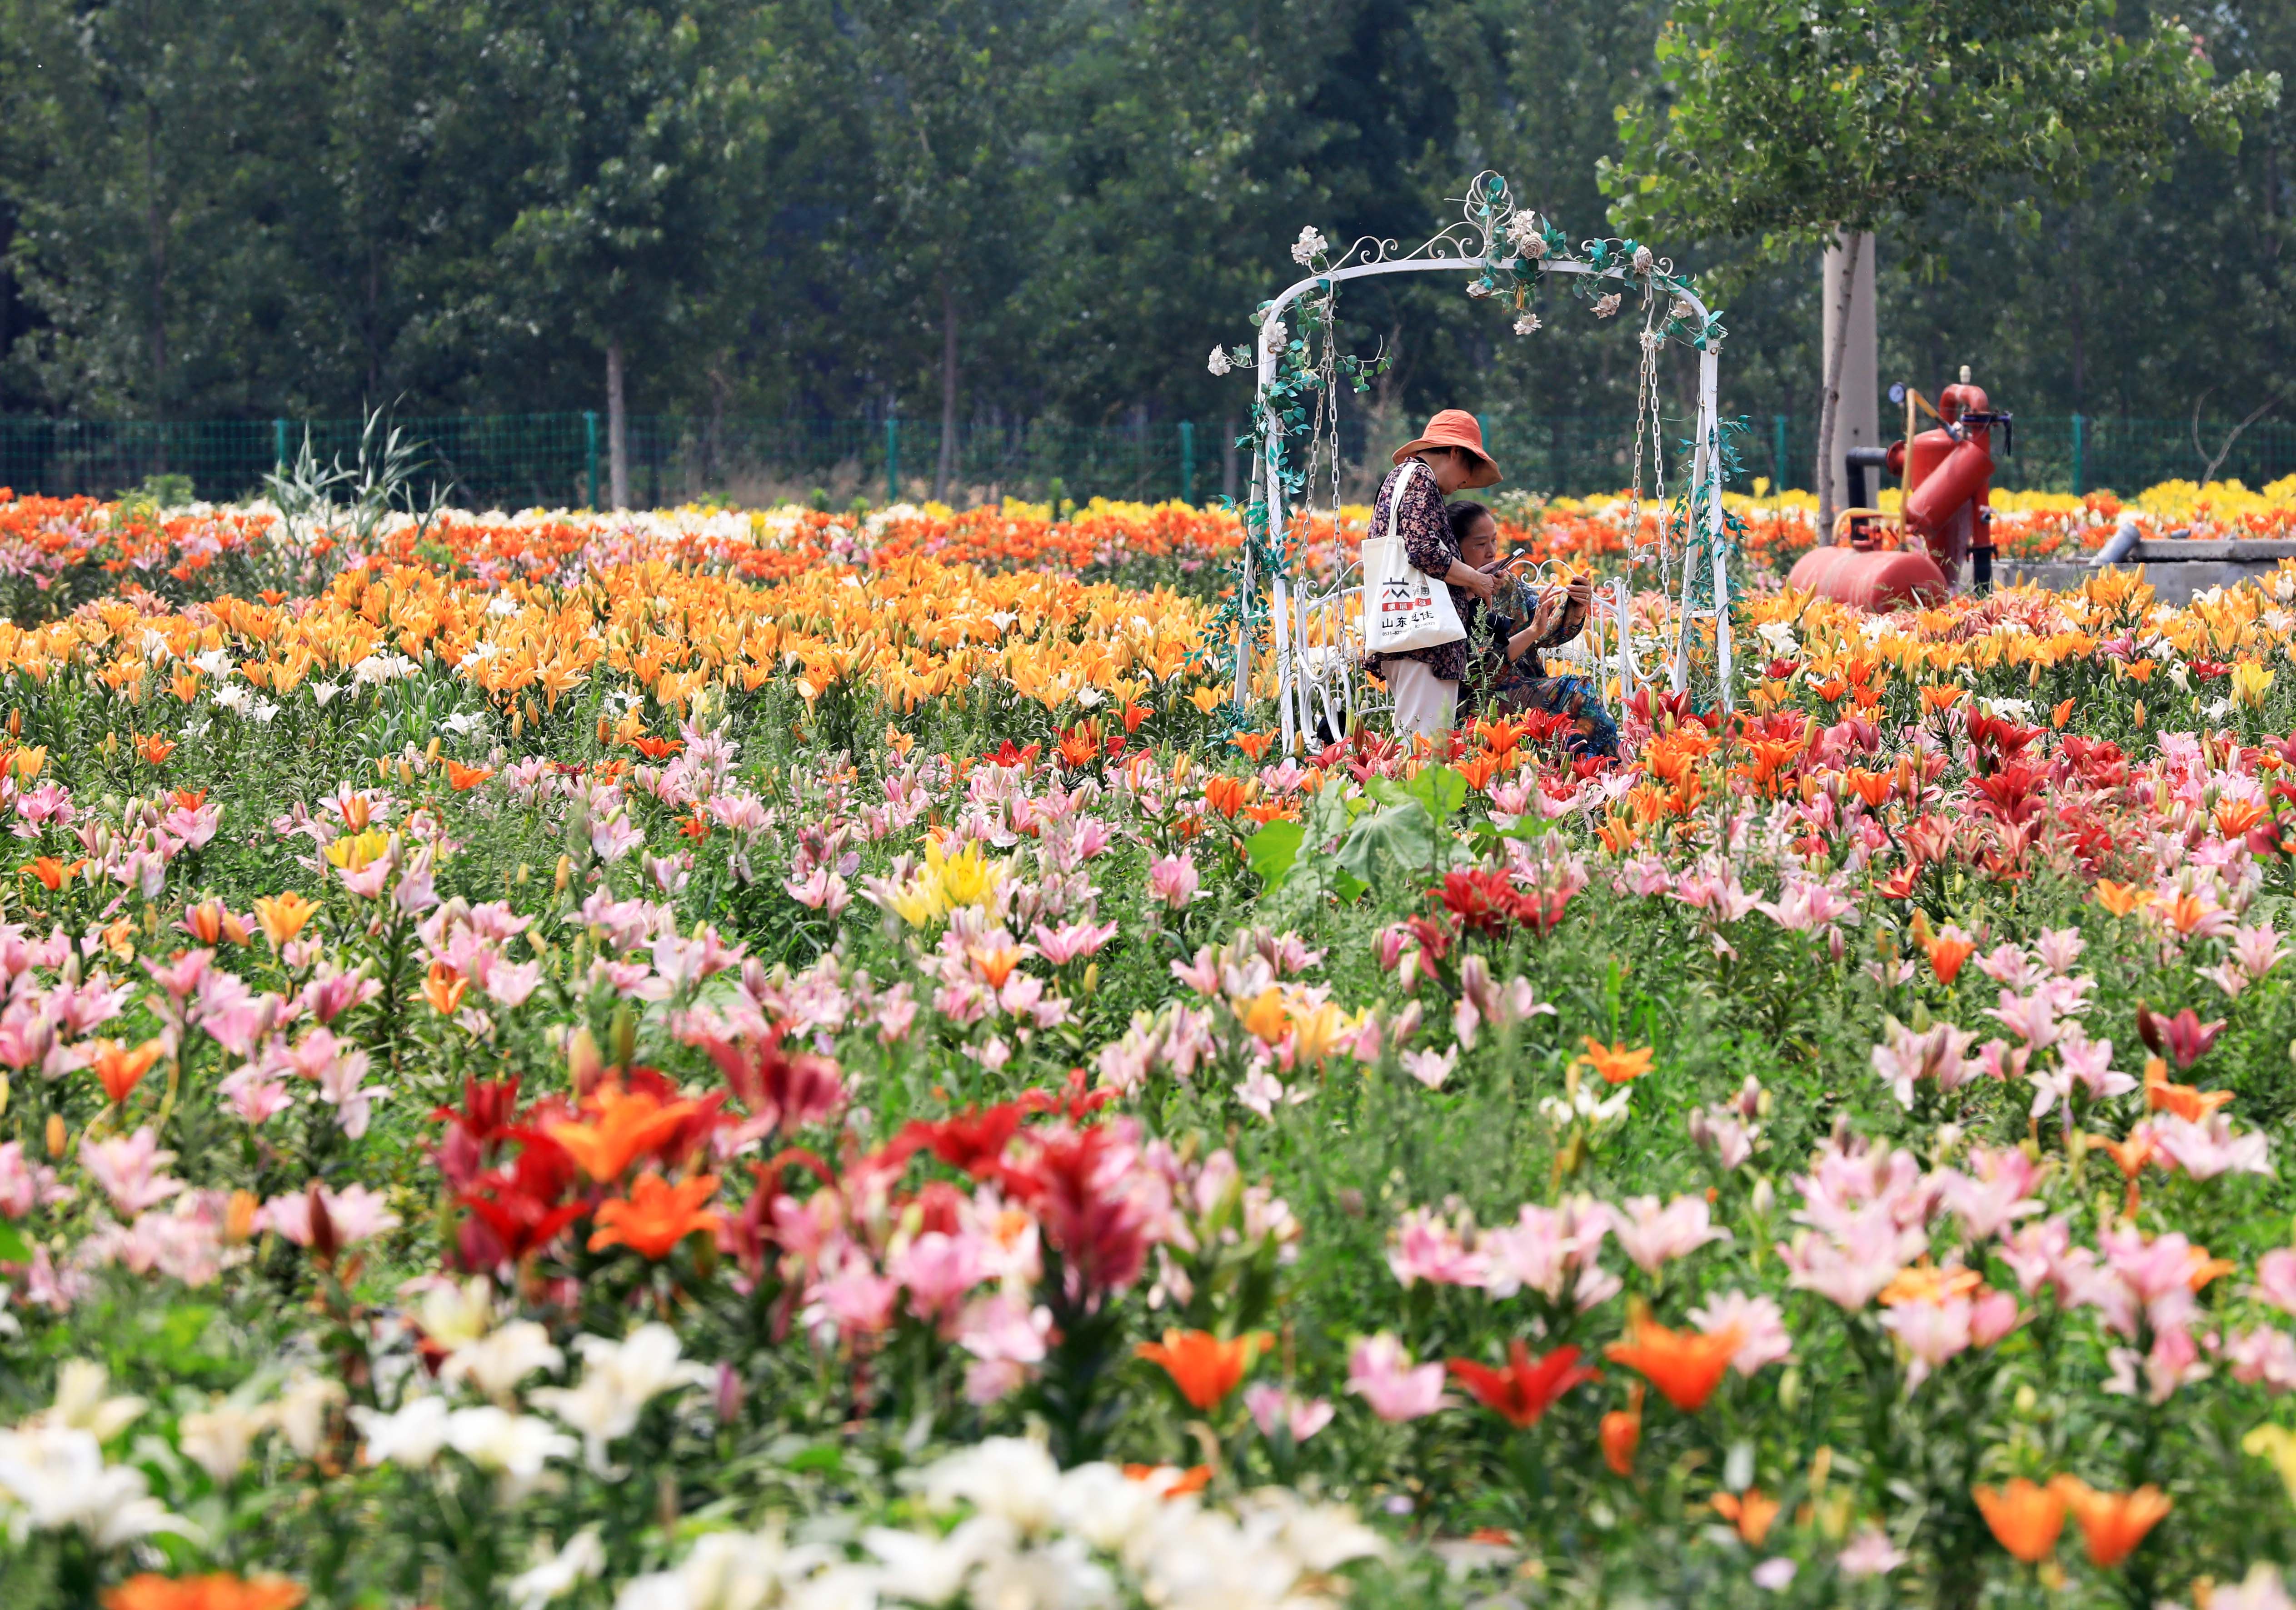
x=708, y=1060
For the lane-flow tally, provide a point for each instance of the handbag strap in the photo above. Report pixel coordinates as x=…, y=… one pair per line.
x=1395, y=499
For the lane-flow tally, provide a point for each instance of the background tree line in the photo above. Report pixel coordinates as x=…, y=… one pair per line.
x=971, y=209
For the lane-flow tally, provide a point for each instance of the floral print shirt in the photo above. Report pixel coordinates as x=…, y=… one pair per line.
x=1426, y=532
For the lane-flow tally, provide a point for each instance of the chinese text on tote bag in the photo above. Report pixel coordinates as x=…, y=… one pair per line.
x=1404, y=607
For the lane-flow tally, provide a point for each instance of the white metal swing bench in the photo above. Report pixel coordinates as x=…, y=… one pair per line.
x=1319, y=631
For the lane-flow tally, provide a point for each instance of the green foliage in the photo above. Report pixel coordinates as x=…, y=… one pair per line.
x=1788, y=120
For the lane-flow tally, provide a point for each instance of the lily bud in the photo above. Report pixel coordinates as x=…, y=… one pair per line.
x=583, y=1063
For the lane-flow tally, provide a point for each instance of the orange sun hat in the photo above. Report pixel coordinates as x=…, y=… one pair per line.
x=1455, y=428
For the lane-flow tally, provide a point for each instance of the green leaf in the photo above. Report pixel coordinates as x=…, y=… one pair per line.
x=1270, y=851
x=14, y=1247
x=1402, y=833
x=1440, y=789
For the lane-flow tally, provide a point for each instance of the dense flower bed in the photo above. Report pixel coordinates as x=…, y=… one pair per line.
x=56, y=553
x=673, y=1062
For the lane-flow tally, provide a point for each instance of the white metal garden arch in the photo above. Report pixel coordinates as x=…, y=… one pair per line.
x=1498, y=244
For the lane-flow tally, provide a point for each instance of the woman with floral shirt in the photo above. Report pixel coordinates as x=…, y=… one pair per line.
x=1426, y=681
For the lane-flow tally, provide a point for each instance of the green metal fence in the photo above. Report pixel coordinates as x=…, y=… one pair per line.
x=516, y=461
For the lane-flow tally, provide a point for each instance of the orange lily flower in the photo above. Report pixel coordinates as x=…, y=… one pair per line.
x=442, y=987
x=54, y=873
x=155, y=748
x=1622, y=1433
x=2025, y=1517
x=1194, y=1479
x=1254, y=744
x=1947, y=952
x=462, y=779
x=1227, y=795
x=627, y=1124
x=1618, y=1064
x=211, y=922
x=1205, y=1367
x=222, y=1590
x=1750, y=1513
x=1684, y=1365
x=2113, y=1523
x=996, y=966
x=656, y=1215
x=2121, y=898
x=2187, y=1102
x=1926, y=1282
x=1478, y=771
x=120, y=1070
x=282, y=916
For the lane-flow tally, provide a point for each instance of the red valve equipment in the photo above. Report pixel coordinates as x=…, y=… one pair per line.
x=1948, y=475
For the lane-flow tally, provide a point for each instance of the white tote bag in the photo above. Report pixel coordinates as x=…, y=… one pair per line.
x=1404, y=607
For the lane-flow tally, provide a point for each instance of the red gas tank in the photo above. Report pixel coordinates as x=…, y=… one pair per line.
x=1870, y=579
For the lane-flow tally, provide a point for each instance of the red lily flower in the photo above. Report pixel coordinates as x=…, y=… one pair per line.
x=2183, y=1038
x=1528, y=1387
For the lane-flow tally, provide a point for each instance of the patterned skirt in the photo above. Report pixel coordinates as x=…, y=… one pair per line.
x=1575, y=698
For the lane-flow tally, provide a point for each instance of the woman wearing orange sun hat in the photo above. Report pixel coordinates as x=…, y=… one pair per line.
x=1426, y=681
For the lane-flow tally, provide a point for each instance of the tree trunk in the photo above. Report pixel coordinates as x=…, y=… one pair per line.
x=945, y=473
x=617, y=433
x=1830, y=403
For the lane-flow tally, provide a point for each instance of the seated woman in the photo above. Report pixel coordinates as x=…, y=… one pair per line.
x=1504, y=673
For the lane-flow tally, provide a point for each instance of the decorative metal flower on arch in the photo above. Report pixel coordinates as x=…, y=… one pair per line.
x=1508, y=253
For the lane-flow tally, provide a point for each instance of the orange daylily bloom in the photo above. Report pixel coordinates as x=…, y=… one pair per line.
x=282, y=916
x=1478, y=771
x=2130, y=1156
x=1267, y=1016
x=1871, y=786
x=1195, y=1478
x=2024, y=1517
x=1205, y=1367
x=1751, y=1513
x=2121, y=898
x=211, y=922
x=1622, y=1433
x=2113, y=1523
x=626, y=1124
x=996, y=966
x=1254, y=744
x=2234, y=818
x=442, y=987
x=2187, y=1102
x=1684, y=1365
x=1936, y=698
x=656, y=1215
x=1924, y=1283
x=1618, y=1064
x=54, y=873
x=2200, y=1269
x=1227, y=795
x=462, y=779
x=1947, y=952
x=221, y=1590
x=120, y=1070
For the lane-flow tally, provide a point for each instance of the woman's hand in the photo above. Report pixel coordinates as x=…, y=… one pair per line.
x=1464, y=575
